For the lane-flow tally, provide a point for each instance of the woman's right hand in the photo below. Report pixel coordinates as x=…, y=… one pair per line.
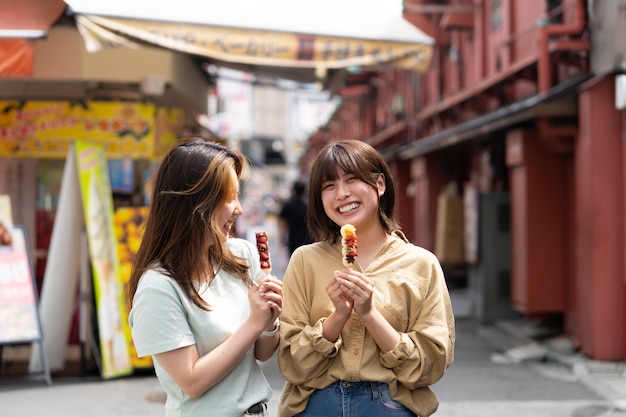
x=333, y=325
x=266, y=301
x=343, y=304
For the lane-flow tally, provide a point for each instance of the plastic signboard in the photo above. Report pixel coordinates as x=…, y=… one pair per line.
x=19, y=312
x=97, y=198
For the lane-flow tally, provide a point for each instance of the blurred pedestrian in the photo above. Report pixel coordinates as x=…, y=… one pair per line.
x=367, y=340
x=292, y=219
x=201, y=306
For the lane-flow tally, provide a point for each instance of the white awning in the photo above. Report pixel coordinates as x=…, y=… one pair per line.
x=321, y=35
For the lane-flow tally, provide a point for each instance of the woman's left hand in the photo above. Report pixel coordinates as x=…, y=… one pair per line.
x=357, y=287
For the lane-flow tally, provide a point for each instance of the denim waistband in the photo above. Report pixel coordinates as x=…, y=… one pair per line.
x=358, y=386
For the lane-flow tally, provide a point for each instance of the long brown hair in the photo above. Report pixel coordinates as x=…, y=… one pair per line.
x=182, y=236
x=354, y=157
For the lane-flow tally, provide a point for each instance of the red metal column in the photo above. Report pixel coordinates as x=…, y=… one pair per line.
x=401, y=170
x=427, y=182
x=600, y=221
x=538, y=225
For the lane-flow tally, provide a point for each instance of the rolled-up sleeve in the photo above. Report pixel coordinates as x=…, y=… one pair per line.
x=423, y=354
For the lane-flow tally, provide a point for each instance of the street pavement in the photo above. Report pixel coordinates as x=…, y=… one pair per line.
x=496, y=373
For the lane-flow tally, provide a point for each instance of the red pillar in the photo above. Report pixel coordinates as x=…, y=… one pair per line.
x=401, y=170
x=600, y=222
x=538, y=223
x=426, y=183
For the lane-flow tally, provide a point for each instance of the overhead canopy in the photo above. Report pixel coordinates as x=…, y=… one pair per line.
x=314, y=36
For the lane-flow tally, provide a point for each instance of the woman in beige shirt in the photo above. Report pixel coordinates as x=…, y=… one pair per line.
x=371, y=339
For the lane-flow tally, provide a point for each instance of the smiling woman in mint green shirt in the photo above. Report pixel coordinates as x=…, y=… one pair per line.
x=201, y=305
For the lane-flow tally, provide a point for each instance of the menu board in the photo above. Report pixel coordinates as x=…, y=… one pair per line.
x=19, y=320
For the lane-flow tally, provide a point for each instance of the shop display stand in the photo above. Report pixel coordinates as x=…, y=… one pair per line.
x=19, y=301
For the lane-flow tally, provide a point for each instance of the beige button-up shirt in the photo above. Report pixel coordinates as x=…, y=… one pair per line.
x=410, y=292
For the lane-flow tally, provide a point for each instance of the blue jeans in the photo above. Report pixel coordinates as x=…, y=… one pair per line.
x=354, y=399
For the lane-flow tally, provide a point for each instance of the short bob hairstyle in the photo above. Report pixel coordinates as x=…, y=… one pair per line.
x=354, y=157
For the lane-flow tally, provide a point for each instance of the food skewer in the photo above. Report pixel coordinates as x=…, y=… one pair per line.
x=349, y=245
x=264, y=252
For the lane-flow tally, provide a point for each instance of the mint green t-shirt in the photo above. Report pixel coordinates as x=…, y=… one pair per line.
x=163, y=319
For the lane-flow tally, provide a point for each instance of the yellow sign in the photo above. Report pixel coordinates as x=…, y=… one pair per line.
x=129, y=223
x=40, y=129
x=168, y=124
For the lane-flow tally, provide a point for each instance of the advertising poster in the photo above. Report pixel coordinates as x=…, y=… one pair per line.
x=36, y=129
x=20, y=321
x=98, y=210
x=168, y=124
x=18, y=304
x=129, y=223
x=18, y=307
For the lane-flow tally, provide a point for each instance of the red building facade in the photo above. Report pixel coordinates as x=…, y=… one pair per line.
x=520, y=113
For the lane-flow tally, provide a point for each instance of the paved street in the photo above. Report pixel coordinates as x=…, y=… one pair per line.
x=497, y=372
x=484, y=381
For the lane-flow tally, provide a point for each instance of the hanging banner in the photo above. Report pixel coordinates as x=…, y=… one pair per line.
x=98, y=211
x=40, y=129
x=253, y=46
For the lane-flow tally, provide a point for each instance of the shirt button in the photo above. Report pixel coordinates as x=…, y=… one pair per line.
x=356, y=352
